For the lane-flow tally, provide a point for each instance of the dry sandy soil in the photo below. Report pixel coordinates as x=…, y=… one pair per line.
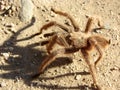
x=20, y=58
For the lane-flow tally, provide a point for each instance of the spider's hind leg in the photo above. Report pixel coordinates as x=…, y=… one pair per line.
x=90, y=63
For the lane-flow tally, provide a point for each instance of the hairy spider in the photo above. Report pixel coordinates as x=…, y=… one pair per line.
x=74, y=40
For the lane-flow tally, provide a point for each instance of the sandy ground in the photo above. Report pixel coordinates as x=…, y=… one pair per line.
x=19, y=59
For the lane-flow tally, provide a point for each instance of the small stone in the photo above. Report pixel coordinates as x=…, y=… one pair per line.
x=2, y=7
x=17, y=79
x=2, y=19
x=81, y=59
x=2, y=2
x=110, y=85
x=114, y=68
x=85, y=70
x=5, y=15
x=26, y=12
x=10, y=12
x=78, y=77
x=98, y=31
x=13, y=8
x=116, y=80
x=52, y=15
x=9, y=25
x=107, y=26
x=2, y=84
x=117, y=37
x=5, y=55
x=66, y=67
x=111, y=12
x=56, y=70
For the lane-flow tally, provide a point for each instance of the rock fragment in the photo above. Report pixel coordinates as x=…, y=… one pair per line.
x=26, y=12
x=78, y=77
x=2, y=84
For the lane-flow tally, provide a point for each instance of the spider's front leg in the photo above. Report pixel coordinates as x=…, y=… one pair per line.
x=90, y=23
x=53, y=23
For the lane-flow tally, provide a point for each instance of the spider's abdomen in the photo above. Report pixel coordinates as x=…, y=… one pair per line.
x=101, y=41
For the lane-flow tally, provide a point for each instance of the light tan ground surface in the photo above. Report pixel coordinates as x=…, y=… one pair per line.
x=20, y=59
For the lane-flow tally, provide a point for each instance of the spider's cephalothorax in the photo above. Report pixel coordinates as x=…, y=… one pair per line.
x=78, y=39
x=73, y=41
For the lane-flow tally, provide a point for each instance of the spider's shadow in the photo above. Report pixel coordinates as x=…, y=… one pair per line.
x=23, y=66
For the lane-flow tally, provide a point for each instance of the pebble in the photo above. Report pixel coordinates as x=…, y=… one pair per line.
x=14, y=8
x=111, y=12
x=9, y=25
x=2, y=2
x=26, y=12
x=98, y=31
x=114, y=68
x=10, y=12
x=2, y=84
x=7, y=7
x=78, y=77
x=107, y=26
x=110, y=85
x=2, y=19
x=5, y=55
x=17, y=79
x=2, y=7
x=117, y=37
x=66, y=67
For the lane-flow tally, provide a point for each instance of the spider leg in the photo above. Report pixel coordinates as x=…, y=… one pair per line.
x=91, y=64
x=51, y=43
x=90, y=22
x=59, y=40
x=62, y=41
x=100, y=54
x=51, y=57
x=100, y=43
x=76, y=27
x=100, y=24
x=53, y=23
x=89, y=25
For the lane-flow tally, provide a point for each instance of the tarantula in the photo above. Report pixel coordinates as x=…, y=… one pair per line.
x=74, y=40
